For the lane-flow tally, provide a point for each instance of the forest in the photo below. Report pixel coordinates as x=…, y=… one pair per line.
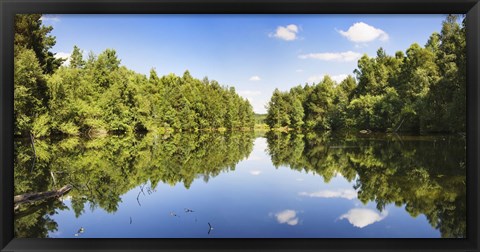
x=97, y=95
x=420, y=91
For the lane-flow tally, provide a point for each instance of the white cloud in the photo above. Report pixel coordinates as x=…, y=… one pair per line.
x=254, y=78
x=317, y=78
x=329, y=56
x=51, y=18
x=62, y=55
x=249, y=92
x=362, y=217
x=287, y=33
x=342, y=193
x=339, y=78
x=65, y=56
x=287, y=216
x=361, y=33
x=299, y=70
x=255, y=172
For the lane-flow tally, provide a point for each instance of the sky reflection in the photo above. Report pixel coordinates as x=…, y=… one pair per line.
x=362, y=217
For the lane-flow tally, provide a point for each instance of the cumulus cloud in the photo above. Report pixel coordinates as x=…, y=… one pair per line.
x=287, y=216
x=337, y=78
x=342, y=193
x=287, y=33
x=361, y=33
x=333, y=56
x=65, y=56
x=362, y=217
x=62, y=55
x=255, y=172
x=254, y=78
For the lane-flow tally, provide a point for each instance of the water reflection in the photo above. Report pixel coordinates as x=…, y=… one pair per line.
x=287, y=216
x=362, y=217
x=341, y=193
x=102, y=170
x=425, y=176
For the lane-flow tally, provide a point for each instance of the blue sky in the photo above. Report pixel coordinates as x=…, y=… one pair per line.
x=253, y=53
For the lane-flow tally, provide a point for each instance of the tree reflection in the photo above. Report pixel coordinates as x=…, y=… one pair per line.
x=101, y=170
x=426, y=174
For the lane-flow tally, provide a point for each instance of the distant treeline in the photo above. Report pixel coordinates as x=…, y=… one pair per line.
x=98, y=95
x=422, y=90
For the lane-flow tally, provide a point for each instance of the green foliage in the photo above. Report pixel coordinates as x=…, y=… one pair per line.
x=32, y=35
x=76, y=59
x=99, y=95
x=421, y=90
x=30, y=90
x=260, y=118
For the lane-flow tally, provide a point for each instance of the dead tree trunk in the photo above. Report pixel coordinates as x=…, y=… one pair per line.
x=32, y=197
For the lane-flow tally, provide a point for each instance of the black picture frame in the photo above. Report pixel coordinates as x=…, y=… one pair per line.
x=11, y=7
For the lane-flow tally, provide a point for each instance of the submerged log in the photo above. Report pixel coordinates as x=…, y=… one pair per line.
x=32, y=197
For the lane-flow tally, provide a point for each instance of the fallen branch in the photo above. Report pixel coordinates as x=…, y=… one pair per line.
x=32, y=197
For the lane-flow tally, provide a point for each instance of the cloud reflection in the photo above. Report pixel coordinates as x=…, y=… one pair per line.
x=362, y=217
x=255, y=158
x=255, y=172
x=341, y=193
x=287, y=216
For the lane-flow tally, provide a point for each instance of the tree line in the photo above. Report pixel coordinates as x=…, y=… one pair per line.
x=421, y=90
x=97, y=95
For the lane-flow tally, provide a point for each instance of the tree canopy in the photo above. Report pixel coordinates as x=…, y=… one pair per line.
x=419, y=90
x=99, y=95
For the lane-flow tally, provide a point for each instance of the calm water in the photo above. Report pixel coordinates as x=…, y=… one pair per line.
x=245, y=185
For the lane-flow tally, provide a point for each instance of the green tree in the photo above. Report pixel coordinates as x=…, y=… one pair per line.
x=31, y=34
x=76, y=59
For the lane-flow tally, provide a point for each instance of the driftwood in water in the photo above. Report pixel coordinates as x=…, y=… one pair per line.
x=32, y=197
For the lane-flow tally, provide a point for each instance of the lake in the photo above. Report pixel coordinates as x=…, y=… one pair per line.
x=245, y=185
